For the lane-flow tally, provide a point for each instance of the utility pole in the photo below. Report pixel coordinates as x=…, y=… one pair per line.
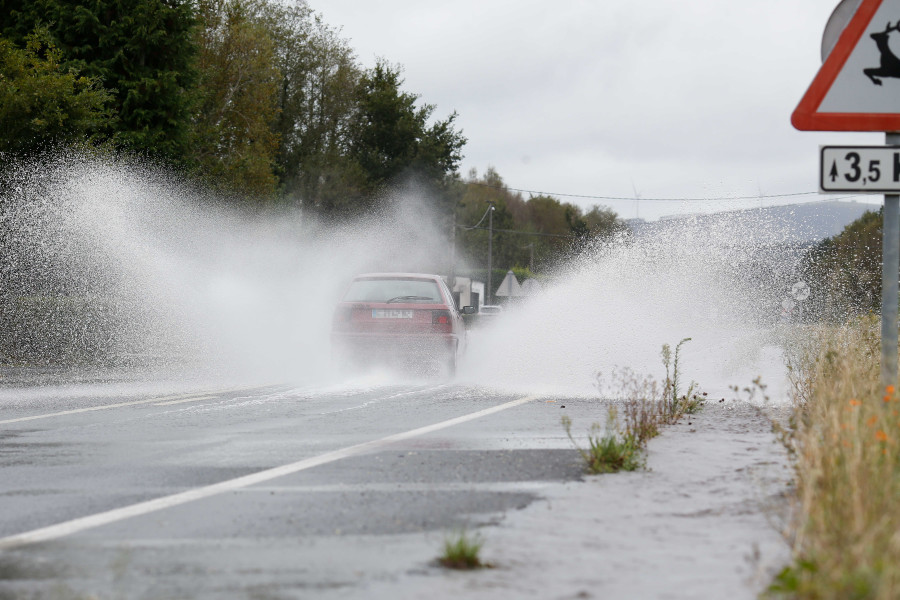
x=452, y=275
x=490, y=295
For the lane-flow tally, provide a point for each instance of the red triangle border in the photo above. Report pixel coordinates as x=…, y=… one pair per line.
x=806, y=116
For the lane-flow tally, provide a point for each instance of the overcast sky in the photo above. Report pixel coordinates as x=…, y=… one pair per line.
x=615, y=97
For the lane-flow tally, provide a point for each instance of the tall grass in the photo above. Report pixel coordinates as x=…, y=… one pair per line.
x=844, y=439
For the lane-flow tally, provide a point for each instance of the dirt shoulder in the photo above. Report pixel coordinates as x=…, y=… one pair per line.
x=702, y=522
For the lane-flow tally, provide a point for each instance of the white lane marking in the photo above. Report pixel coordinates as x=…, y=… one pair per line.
x=341, y=488
x=142, y=508
x=171, y=402
x=382, y=399
x=75, y=411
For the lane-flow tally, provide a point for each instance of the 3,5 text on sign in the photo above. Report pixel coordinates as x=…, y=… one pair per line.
x=863, y=169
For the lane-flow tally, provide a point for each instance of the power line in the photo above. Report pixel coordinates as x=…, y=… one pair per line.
x=590, y=197
x=518, y=232
x=557, y=235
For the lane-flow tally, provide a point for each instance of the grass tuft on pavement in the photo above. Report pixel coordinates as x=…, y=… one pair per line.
x=461, y=552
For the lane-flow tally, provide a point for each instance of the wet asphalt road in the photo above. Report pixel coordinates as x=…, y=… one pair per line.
x=333, y=522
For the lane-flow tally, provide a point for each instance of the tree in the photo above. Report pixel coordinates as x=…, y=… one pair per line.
x=234, y=141
x=390, y=136
x=316, y=102
x=141, y=50
x=480, y=193
x=846, y=268
x=542, y=227
x=41, y=104
x=603, y=222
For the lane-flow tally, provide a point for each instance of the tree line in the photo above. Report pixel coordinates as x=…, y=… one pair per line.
x=252, y=96
x=262, y=101
x=535, y=232
x=845, y=270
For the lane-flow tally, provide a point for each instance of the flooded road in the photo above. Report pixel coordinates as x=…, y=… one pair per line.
x=291, y=492
x=454, y=464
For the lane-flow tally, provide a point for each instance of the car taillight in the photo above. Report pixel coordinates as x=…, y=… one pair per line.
x=441, y=321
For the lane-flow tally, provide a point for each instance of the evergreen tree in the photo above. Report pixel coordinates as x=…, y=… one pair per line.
x=141, y=50
x=390, y=135
x=41, y=104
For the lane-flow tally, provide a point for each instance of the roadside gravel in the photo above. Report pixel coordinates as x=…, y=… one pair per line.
x=702, y=522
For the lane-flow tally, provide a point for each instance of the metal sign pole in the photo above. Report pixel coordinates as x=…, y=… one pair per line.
x=889, y=280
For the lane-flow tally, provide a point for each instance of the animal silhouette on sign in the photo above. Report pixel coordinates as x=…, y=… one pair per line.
x=890, y=64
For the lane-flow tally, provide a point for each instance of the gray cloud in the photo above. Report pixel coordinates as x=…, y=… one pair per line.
x=683, y=99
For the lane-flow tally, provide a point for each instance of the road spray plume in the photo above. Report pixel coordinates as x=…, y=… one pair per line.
x=615, y=305
x=105, y=261
x=108, y=262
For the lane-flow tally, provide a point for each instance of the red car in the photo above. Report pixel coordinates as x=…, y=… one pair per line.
x=402, y=318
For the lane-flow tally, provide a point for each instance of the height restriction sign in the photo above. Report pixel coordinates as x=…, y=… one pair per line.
x=858, y=86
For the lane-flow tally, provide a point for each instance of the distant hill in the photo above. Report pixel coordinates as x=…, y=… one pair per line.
x=791, y=223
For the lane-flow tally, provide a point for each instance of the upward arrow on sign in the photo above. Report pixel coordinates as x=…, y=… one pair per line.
x=858, y=86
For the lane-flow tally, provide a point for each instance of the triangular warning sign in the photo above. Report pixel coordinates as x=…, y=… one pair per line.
x=858, y=86
x=510, y=286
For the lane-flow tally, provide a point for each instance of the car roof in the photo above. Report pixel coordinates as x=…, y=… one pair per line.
x=397, y=275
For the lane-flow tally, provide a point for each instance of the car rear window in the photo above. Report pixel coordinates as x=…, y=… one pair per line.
x=424, y=291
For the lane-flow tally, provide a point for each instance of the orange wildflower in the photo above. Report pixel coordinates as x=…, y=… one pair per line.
x=881, y=436
x=890, y=390
x=855, y=402
x=871, y=420
x=887, y=398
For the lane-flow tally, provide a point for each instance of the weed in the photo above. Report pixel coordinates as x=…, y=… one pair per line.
x=678, y=404
x=693, y=404
x=788, y=579
x=645, y=408
x=461, y=551
x=610, y=452
x=639, y=398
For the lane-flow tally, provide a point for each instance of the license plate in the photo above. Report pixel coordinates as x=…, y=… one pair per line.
x=391, y=313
